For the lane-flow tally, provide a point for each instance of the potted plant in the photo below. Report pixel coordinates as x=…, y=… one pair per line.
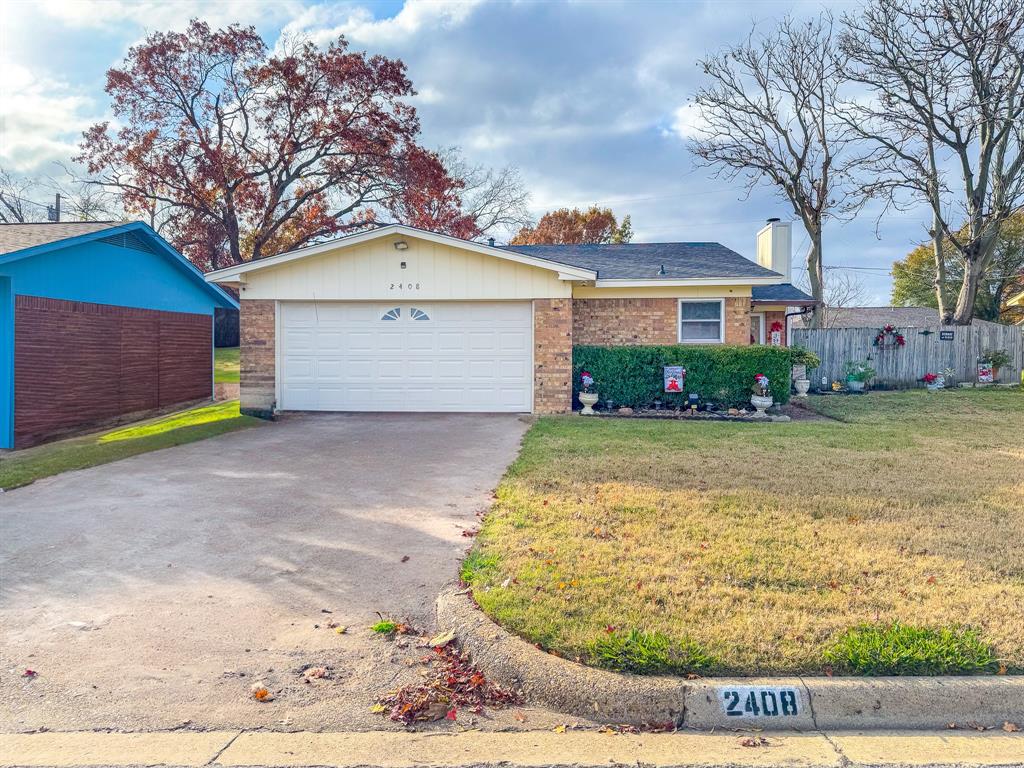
x=858, y=374
x=803, y=359
x=933, y=381
x=996, y=358
x=761, y=395
x=587, y=396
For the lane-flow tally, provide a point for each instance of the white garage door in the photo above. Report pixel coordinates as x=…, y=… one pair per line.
x=406, y=356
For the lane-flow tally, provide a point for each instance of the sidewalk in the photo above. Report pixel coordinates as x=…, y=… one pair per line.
x=524, y=748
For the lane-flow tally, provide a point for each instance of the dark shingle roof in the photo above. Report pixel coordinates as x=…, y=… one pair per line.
x=17, y=237
x=643, y=261
x=782, y=292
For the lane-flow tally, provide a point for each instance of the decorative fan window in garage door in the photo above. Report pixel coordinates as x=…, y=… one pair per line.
x=392, y=314
x=418, y=314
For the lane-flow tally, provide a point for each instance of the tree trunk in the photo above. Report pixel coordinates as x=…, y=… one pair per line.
x=938, y=249
x=977, y=257
x=815, y=273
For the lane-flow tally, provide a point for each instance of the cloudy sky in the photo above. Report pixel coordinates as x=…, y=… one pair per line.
x=587, y=98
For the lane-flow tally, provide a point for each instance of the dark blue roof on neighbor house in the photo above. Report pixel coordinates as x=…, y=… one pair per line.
x=644, y=261
x=783, y=292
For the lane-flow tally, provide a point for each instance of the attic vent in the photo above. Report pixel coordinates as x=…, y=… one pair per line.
x=130, y=240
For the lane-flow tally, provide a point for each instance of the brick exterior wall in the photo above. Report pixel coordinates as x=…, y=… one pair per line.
x=257, y=345
x=737, y=320
x=552, y=355
x=624, y=322
x=79, y=364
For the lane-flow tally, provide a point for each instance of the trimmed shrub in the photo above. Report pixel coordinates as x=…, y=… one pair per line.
x=633, y=376
x=901, y=649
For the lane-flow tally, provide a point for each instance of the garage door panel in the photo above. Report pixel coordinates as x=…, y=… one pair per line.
x=457, y=356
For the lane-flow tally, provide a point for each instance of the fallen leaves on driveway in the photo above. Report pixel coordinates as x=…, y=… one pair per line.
x=451, y=683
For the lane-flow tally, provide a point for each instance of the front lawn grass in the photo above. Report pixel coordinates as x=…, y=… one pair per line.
x=731, y=548
x=23, y=467
x=225, y=365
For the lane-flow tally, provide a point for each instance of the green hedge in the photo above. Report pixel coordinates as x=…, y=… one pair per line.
x=633, y=376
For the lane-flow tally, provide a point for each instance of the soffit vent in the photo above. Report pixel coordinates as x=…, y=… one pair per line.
x=130, y=240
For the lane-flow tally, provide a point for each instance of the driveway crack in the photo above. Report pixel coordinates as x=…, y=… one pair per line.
x=223, y=749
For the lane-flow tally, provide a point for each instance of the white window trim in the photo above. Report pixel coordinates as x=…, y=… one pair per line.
x=721, y=321
x=762, y=340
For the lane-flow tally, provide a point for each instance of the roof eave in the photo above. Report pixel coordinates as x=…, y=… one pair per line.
x=686, y=282
x=234, y=273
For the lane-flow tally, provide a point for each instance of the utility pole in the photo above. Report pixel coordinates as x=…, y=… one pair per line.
x=53, y=211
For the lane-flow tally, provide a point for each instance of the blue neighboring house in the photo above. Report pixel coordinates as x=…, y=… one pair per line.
x=99, y=322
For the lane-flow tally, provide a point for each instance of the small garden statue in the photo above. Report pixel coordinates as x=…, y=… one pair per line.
x=587, y=396
x=761, y=396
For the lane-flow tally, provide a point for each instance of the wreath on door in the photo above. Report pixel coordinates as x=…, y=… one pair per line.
x=889, y=337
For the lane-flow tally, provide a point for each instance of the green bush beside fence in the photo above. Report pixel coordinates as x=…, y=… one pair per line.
x=634, y=376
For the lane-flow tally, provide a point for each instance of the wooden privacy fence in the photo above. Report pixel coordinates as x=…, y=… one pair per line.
x=925, y=351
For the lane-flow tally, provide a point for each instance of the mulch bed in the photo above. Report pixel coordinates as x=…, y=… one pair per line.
x=795, y=410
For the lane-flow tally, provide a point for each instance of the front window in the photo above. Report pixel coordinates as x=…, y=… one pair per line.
x=700, y=322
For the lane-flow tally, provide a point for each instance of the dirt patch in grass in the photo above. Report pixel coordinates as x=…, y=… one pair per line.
x=758, y=549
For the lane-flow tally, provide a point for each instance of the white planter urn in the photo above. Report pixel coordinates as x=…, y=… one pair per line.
x=587, y=399
x=855, y=386
x=760, y=403
x=803, y=386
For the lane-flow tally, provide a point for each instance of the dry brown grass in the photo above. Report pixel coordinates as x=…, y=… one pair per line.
x=764, y=543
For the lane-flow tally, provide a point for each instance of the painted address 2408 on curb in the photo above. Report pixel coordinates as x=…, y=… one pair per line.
x=760, y=701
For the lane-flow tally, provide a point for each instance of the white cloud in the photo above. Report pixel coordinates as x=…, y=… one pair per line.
x=686, y=121
x=152, y=15
x=323, y=23
x=41, y=119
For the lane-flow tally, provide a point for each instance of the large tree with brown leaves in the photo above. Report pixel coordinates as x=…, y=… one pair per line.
x=237, y=152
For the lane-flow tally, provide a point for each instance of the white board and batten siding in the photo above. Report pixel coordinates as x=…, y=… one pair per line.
x=373, y=271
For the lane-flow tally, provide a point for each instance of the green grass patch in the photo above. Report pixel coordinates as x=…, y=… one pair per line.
x=649, y=653
x=23, y=467
x=385, y=627
x=900, y=649
x=756, y=547
x=477, y=566
x=225, y=365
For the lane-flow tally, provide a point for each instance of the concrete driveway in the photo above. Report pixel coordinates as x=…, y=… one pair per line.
x=153, y=592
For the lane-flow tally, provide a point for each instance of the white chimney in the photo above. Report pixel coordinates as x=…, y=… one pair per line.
x=775, y=248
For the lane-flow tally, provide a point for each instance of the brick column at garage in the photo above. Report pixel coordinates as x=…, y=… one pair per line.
x=257, y=345
x=552, y=355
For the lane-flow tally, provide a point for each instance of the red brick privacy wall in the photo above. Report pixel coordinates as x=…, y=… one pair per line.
x=77, y=364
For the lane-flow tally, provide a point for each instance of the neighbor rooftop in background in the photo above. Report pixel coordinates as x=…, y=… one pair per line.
x=18, y=237
x=644, y=261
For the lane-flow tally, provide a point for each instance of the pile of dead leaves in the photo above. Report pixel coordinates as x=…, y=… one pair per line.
x=453, y=684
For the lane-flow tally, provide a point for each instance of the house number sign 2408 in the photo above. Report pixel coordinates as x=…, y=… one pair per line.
x=403, y=286
x=759, y=701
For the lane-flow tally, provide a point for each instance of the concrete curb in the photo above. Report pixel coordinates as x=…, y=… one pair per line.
x=824, y=703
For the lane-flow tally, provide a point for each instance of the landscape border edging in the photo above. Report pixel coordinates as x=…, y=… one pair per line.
x=838, y=703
